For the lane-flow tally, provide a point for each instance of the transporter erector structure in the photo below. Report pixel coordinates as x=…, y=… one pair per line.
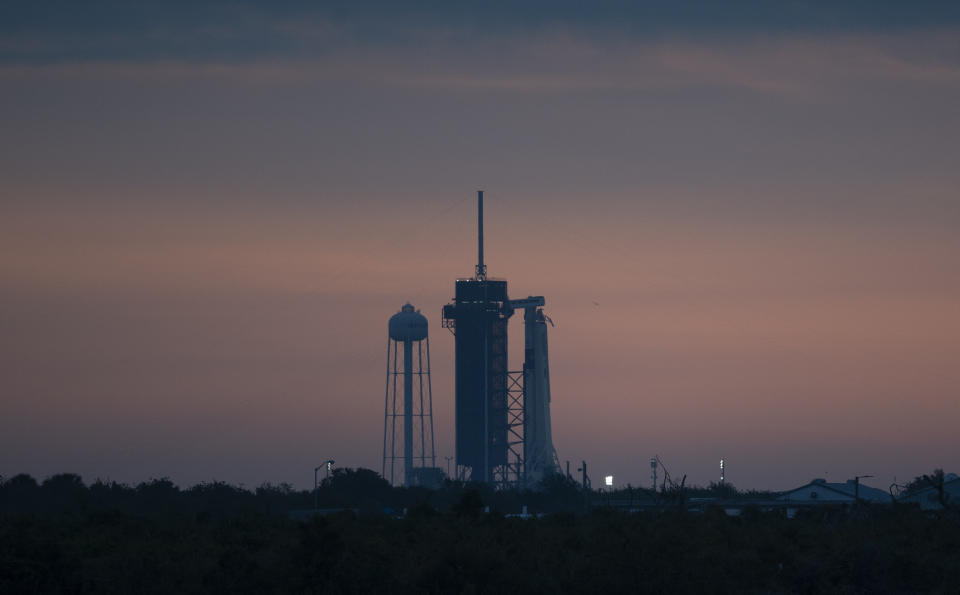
x=502, y=416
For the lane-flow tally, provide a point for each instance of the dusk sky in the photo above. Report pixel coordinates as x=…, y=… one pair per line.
x=744, y=217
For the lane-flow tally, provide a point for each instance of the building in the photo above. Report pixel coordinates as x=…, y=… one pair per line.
x=819, y=492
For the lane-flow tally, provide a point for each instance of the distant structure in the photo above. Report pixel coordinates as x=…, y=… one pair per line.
x=820, y=493
x=413, y=411
x=503, y=432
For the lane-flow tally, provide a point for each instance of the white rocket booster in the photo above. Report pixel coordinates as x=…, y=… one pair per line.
x=540, y=458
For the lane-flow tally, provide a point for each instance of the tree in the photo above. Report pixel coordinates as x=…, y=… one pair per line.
x=19, y=493
x=469, y=505
x=935, y=480
x=63, y=492
x=725, y=490
x=560, y=493
x=355, y=487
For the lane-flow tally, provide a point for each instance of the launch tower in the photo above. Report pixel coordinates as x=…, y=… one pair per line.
x=502, y=416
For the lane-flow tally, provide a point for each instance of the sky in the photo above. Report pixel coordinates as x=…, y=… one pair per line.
x=743, y=216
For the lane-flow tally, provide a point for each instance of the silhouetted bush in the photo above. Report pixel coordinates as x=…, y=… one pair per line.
x=61, y=536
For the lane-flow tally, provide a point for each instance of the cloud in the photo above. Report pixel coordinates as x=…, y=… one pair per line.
x=244, y=30
x=799, y=66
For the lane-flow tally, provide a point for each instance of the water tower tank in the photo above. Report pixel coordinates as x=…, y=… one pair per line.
x=408, y=334
x=407, y=325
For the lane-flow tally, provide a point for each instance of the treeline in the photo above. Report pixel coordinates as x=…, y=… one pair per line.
x=67, y=494
x=361, y=490
x=64, y=536
x=891, y=550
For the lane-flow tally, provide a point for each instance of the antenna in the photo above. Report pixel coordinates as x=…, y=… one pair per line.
x=481, y=268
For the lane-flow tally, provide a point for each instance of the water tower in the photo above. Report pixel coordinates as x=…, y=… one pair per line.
x=412, y=409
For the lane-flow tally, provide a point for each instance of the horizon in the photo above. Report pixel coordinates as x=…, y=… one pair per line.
x=743, y=221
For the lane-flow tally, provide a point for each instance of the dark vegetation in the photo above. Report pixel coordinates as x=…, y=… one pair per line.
x=62, y=536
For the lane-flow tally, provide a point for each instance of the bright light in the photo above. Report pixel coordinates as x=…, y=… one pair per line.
x=608, y=480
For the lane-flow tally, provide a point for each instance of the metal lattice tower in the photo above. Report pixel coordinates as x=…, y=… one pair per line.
x=408, y=402
x=503, y=434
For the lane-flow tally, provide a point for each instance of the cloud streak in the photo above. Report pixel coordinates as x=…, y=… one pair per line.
x=44, y=31
x=801, y=67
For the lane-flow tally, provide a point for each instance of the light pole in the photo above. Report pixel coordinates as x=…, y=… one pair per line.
x=316, y=486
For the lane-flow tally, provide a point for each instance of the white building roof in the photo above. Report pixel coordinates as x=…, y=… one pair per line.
x=819, y=490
